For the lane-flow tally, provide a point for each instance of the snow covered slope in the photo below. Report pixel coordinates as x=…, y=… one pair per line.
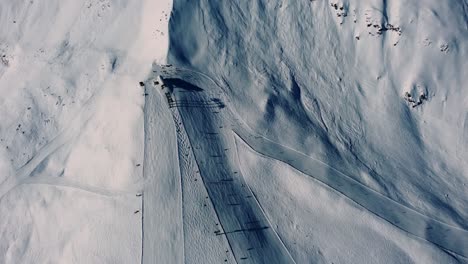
x=319, y=89
x=208, y=131
x=376, y=89
x=308, y=131
x=71, y=127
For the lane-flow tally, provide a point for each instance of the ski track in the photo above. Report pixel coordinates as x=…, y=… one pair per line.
x=162, y=214
x=142, y=227
x=448, y=237
x=62, y=182
x=23, y=174
x=184, y=165
x=187, y=211
x=196, y=109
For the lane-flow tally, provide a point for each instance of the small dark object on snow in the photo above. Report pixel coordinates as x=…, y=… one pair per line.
x=142, y=84
x=138, y=165
x=137, y=211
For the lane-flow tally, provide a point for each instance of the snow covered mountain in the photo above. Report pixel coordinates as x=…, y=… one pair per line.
x=257, y=131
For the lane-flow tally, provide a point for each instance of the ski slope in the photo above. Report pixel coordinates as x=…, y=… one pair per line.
x=216, y=150
x=331, y=131
x=240, y=216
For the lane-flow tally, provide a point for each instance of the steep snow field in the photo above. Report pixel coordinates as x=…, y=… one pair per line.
x=317, y=88
x=309, y=131
x=377, y=89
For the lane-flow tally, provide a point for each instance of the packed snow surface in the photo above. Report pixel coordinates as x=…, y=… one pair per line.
x=259, y=131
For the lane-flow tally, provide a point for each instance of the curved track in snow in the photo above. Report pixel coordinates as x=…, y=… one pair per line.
x=209, y=123
x=446, y=236
x=27, y=174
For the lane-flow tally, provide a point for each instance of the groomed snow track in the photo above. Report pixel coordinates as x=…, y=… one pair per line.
x=197, y=118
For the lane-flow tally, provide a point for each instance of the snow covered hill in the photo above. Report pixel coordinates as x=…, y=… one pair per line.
x=71, y=127
x=308, y=131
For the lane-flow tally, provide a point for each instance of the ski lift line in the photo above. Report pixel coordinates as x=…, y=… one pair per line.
x=181, y=131
x=225, y=215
